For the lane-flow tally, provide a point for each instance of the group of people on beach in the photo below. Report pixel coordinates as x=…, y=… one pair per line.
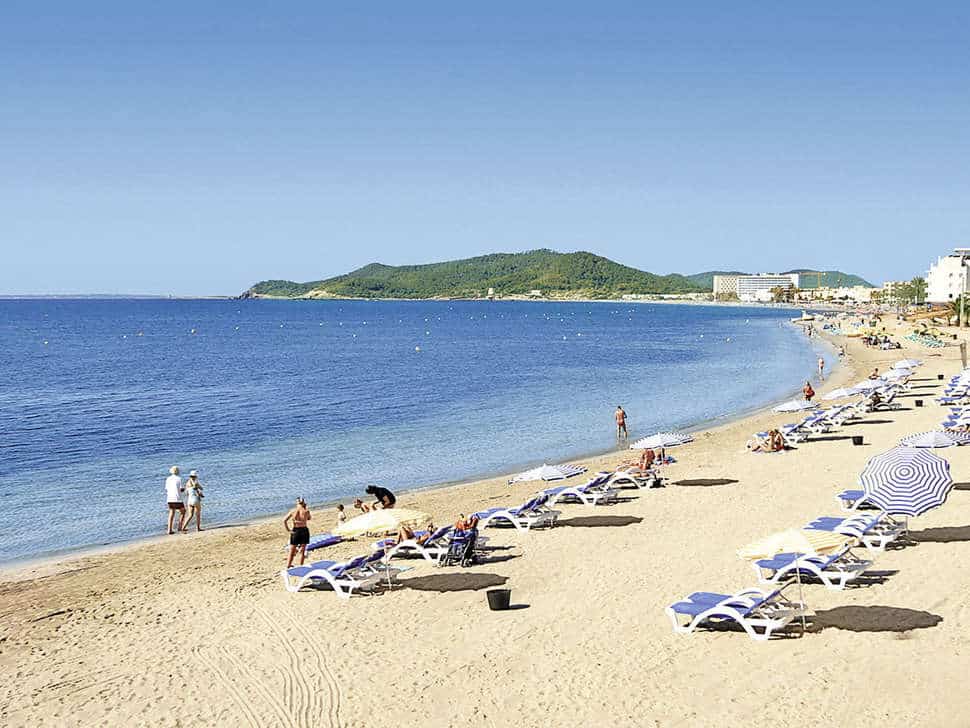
x=178, y=495
x=298, y=519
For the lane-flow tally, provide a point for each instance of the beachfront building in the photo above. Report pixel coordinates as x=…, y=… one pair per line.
x=948, y=278
x=759, y=287
x=856, y=294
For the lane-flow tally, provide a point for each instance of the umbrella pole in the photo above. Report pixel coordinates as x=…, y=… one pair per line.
x=801, y=597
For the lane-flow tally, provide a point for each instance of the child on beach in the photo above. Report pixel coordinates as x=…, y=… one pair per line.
x=341, y=516
x=361, y=506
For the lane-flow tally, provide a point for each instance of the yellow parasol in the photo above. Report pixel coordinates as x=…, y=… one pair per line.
x=381, y=521
x=798, y=541
x=805, y=541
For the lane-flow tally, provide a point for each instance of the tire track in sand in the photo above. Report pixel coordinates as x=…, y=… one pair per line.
x=285, y=718
x=300, y=699
x=320, y=656
x=237, y=697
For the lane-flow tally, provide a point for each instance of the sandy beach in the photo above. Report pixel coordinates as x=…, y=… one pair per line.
x=197, y=629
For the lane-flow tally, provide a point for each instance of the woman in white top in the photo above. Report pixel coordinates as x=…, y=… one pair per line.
x=194, y=490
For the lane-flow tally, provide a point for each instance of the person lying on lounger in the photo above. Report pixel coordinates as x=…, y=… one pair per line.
x=406, y=534
x=774, y=442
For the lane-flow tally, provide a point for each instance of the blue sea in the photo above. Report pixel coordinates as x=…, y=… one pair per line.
x=270, y=400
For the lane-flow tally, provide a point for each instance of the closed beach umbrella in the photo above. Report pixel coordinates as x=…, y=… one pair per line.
x=907, y=364
x=841, y=392
x=662, y=440
x=549, y=472
x=935, y=439
x=907, y=481
x=382, y=520
x=795, y=405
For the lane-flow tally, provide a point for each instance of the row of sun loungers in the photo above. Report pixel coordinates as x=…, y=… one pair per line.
x=763, y=613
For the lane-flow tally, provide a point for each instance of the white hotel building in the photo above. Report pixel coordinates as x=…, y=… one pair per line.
x=949, y=277
x=753, y=288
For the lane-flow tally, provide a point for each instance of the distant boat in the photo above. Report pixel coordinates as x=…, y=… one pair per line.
x=806, y=316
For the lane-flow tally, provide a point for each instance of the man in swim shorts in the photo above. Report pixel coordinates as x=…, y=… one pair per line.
x=174, y=493
x=620, y=417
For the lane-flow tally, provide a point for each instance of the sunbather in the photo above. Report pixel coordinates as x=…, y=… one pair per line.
x=361, y=506
x=406, y=534
x=774, y=442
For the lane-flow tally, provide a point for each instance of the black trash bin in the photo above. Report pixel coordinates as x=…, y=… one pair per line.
x=940, y=377
x=918, y=402
x=857, y=439
x=498, y=599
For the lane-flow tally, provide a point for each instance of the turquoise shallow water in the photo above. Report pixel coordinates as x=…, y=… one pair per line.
x=273, y=399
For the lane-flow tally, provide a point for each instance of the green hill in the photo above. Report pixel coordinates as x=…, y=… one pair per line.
x=830, y=278
x=554, y=274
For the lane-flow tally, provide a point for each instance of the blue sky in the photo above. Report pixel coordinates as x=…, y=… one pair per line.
x=173, y=148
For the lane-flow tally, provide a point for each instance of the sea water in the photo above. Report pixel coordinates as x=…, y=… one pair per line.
x=270, y=400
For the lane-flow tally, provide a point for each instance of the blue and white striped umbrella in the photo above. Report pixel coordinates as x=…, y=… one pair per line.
x=906, y=481
x=936, y=439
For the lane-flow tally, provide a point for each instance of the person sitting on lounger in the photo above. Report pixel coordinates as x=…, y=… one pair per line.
x=875, y=374
x=466, y=524
x=875, y=400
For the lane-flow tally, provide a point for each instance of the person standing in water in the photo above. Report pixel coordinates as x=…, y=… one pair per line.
x=821, y=368
x=193, y=489
x=620, y=417
x=299, y=531
x=173, y=494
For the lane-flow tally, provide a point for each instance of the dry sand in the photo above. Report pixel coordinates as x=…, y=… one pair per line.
x=197, y=630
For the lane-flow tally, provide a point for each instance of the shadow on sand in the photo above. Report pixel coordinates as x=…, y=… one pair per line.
x=461, y=581
x=872, y=619
x=944, y=534
x=599, y=521
x=706, y=482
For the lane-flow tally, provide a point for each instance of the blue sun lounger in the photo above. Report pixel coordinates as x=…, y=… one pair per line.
x=874, y=532
x=833, y=571
x=531, y=514
x=434, y=549
x=343, y=577
x=759, y=613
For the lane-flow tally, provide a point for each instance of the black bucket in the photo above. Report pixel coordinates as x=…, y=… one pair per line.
x=857, y=439
x=498, y=599
x=940, y=377
x=918, y=402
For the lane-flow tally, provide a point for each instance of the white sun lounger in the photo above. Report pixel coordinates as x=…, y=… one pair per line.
x=833, y=571
x=592, y=493
x=875, y=532
x=760, y=613
x=531, y=514
x=343, y=577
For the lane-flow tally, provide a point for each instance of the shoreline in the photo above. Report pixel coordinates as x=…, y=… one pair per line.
x=21, y=568
x=589, y=598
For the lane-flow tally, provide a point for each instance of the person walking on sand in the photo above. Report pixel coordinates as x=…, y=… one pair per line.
x=299, y=531
x=821, y=368
x=620, y=417
x=193, y=488
x=808, y=391
x=173, y=494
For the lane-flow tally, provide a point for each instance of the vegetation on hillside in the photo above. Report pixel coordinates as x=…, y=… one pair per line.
x=552, y=273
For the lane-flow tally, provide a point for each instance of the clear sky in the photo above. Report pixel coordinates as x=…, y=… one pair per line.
x=195, y=148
